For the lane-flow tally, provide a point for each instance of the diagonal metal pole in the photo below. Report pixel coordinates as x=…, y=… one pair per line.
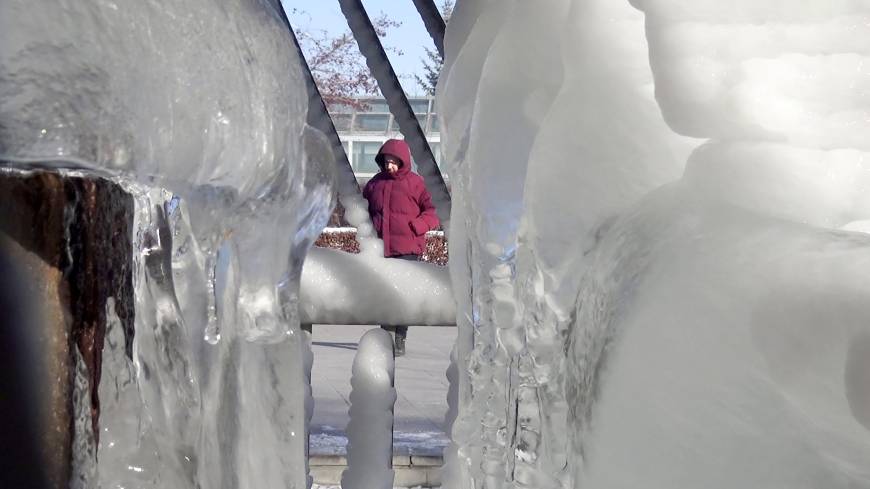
x=318, y=117
x=433, y=21
x=377, y=61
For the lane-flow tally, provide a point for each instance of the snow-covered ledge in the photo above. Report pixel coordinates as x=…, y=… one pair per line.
x=346, y=288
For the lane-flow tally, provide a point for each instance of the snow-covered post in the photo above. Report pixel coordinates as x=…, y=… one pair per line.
x=370, y=430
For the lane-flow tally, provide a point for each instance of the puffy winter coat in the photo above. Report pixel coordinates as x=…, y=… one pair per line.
x=399, y=205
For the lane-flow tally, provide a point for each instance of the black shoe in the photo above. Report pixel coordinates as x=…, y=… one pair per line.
x=400, y=346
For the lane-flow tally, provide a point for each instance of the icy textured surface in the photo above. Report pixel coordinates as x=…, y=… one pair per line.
x=200, y=97
x=518, y=300
x=486, y=212
x=185, y=413
x=370, y=429
x=712, y=326
x=759, y=376
x=203, y=98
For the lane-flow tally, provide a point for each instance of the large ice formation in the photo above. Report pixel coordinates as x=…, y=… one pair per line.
x=206, y=99
x=203, y=99
x=660, y=296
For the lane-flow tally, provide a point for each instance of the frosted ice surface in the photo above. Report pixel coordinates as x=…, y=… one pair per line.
x=561, y=118
x=727, y=349
x=712, y=316
x=751, y=314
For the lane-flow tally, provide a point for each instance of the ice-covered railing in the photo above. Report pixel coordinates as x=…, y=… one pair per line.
x=346, y=288
x=621, y=326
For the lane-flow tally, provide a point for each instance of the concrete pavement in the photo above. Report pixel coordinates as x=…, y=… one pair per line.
x=421, y=386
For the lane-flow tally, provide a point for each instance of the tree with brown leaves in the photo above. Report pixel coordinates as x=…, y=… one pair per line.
x=335, y=61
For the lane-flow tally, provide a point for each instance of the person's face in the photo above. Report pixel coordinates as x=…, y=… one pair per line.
x=391, y=164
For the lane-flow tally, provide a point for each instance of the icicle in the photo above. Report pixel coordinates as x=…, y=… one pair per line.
x=84, y=449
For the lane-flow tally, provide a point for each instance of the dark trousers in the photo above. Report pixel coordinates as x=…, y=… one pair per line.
x=401, y=330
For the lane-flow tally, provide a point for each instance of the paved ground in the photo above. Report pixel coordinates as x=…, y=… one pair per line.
x=332, y=486
x=420, y=383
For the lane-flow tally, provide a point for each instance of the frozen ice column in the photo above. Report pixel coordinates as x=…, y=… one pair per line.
x=492, y=39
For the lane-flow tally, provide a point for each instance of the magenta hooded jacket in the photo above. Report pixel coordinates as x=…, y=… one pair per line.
x=400, y=206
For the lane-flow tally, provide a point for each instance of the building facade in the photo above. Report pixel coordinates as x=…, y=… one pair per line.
x=364, y=129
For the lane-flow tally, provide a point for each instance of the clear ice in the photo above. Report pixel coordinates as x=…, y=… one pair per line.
x=197, y=108
x=654, y=281
x=658, y=239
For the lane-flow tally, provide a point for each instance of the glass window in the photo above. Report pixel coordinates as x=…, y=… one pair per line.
x=342, y=121
x=433, y=124
x=375, y=106
x=421, y=119
x=364, y=156
x=371, y=122
x=339, y=108
x=394, y=125
x=420, y=106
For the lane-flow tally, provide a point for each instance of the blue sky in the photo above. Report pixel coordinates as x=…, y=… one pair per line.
x=411, y=37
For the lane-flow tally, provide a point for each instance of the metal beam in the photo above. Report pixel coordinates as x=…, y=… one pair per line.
x=318, y=117
x=376, y=58
x=433, y=21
